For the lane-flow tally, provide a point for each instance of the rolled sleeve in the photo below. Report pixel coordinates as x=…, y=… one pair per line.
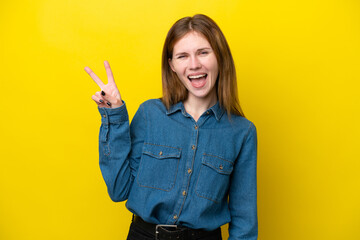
x=114, y=115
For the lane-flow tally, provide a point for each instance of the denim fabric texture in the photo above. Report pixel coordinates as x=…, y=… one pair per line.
x=172, y=169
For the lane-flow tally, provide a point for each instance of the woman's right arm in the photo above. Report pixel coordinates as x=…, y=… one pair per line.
x=120, y=145
x=120, y=148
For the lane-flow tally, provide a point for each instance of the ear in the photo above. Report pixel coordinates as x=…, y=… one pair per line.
x=171, y=65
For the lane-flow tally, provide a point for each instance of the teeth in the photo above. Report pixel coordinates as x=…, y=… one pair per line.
x=197, y=76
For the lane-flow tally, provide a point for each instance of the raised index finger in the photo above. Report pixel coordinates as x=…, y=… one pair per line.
x=95, y=78
x=109, y=72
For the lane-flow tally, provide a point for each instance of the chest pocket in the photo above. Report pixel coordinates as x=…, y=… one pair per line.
x=158, y=166
x=214, y=177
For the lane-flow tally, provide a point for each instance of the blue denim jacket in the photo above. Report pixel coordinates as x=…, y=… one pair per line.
x=174, y=170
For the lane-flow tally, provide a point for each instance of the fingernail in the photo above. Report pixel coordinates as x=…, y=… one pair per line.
x=101, y=100
x=108, y=103
x=103, y=93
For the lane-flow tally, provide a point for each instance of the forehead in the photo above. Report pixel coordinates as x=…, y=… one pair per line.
x=192, y=41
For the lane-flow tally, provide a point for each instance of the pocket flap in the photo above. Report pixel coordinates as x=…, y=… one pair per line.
x=161, y=151
x=219, y=164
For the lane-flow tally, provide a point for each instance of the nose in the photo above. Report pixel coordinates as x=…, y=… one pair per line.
x=194, y=63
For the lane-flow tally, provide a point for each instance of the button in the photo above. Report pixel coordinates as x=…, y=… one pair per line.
x=175, y=217
x=189, y=171
x=160, y=153
x=193, y=147
x=104, y=115
x=221, y=167
x=207, y=112
x=196, y=127
x=184, y=193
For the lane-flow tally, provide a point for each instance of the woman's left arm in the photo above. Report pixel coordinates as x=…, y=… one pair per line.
x=243, y=191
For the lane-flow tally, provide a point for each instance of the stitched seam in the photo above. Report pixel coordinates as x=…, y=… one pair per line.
x=248, y=132
x=163, y=156
x=205, y=154
x=196, y=191
x=161, y=145
x=216, y=169
x=172, y=185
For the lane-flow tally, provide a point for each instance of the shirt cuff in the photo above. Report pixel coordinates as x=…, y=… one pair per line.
x=114, y=115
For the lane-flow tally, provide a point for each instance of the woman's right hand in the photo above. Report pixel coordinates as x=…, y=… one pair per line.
x=109, y=96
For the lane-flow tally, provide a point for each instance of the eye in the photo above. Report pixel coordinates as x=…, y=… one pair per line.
x=180, y=56
x=204, y=52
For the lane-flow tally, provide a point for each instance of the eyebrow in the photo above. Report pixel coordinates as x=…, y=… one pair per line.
x=199, y=50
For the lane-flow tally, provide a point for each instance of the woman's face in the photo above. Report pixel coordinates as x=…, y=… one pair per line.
x=195, y=64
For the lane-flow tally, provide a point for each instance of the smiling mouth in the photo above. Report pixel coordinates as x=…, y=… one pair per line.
x=198, y=81
x=197, y=77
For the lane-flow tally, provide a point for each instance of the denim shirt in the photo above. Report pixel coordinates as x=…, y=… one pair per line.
x=175, y=170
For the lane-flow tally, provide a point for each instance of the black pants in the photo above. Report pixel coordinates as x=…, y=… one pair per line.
x=137, y=233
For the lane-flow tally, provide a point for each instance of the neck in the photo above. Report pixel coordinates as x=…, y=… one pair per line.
x=197, y=106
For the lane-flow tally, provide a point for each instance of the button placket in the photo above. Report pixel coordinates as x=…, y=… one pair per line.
x=193, y=140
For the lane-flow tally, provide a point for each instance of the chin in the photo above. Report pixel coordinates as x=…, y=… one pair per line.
x=198, y=94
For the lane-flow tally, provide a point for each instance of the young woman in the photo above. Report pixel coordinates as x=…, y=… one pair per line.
x=187, y=163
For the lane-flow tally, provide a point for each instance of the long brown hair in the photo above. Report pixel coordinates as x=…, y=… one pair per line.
x=174, y=91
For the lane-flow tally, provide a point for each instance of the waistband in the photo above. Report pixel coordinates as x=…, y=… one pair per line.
x=168, y=232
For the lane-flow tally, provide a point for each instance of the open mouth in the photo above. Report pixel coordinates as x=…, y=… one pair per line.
x=198, y=81
x=197, y=77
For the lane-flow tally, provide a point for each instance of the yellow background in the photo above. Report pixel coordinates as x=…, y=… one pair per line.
x=298, y=69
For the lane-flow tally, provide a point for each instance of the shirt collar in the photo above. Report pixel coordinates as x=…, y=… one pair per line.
x=176, y=107
x=216, y=109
